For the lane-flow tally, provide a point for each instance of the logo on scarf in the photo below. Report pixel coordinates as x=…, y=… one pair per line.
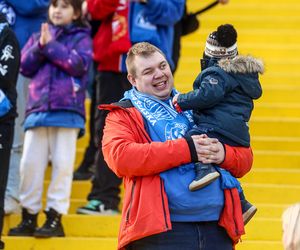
x=175, y=130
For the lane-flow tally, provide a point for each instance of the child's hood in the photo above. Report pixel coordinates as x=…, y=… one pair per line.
x=245, y=70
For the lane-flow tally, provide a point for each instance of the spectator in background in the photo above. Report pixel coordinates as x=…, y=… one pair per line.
x=179, y=31
x=151, y=21
x=86, y=167
x=57, y=59
x=9, y=69
x=29, y=15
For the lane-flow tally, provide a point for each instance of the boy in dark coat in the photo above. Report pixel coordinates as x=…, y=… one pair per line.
x=222, y=102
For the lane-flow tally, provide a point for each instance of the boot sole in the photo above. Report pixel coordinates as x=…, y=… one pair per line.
x=48, y=236
x=247, y=216
x=20, y=235
x=195, y=185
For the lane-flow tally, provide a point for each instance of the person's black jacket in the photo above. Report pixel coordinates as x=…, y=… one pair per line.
x=9, y=66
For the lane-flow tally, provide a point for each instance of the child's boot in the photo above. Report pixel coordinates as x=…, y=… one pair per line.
x=205, y=174
x=248, y=209
x=52, y=227
x=27, y=226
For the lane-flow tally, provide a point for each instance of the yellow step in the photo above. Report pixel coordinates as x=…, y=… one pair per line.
x=276, y=159
x=259, y=245
x=278, y=109
x=272, y=176
x=274, y=126
x=107, y=226
x=77, y=225
x=263, y=229
x=67, y=243
x=107, y=243
x=271, y=193
x=275, y=143
x=269, y=210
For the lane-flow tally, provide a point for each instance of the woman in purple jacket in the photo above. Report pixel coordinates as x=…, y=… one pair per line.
x=57, y=60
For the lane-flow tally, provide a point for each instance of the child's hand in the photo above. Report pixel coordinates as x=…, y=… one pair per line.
x=46, y=36
x=174, y=100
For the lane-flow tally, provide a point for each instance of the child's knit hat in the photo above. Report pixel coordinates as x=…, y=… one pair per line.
x=222, y=43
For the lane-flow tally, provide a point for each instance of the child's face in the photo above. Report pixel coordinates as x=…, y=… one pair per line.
x=62, y=13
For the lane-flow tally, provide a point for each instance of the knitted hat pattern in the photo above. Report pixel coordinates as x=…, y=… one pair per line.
x=222, y=43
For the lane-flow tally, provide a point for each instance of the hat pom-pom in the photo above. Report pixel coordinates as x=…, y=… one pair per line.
x=226, y=35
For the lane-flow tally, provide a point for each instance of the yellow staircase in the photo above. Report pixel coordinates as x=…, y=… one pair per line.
x=268, y=30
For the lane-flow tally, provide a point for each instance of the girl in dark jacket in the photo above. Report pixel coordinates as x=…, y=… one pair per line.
x=57, y=60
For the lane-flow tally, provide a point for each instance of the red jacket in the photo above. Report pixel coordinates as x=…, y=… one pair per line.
x=112, y=38
x=129, y=154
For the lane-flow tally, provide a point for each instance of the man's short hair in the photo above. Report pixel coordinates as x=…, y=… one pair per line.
x=144, y=49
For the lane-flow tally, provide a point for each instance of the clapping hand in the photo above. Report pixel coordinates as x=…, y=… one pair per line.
x=46, y=36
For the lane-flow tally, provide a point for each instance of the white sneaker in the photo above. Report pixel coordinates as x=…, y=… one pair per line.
x=11, y=206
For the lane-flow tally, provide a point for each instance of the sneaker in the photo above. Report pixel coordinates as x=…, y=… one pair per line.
x=205, y=174
x=96, y=207
x=248, y=211
x=26, y=227
x=11, y=206
x=52, y=227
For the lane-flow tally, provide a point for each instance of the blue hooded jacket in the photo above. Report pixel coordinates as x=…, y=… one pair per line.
x=222, y=99
x=29, y=16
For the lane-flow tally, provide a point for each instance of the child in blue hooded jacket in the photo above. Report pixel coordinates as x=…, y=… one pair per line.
x=222, y=102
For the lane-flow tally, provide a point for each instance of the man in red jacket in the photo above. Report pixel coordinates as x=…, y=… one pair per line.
x=145, y=143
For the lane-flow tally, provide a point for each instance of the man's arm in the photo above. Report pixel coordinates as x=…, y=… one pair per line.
x=238, y=160
x=128, y=151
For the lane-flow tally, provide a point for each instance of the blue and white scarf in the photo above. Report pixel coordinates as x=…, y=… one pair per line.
x=161, y=117
x=163, y=122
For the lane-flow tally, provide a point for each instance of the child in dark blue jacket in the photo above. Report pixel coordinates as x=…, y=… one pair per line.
x=222, y=102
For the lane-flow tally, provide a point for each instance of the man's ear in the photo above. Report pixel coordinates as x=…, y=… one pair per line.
x=131, y=79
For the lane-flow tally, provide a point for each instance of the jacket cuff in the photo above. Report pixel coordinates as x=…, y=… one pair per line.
x=190, y=142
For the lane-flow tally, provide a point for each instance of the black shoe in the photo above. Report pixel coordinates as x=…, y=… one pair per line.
x=27, y=225
x=205, y=174
x=52, y=227
x=248, y=210
x=2, y=244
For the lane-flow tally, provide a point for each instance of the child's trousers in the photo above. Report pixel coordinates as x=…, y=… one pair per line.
x=42, y=144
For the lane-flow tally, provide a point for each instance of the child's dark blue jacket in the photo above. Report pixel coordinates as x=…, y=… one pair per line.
x=222, y=99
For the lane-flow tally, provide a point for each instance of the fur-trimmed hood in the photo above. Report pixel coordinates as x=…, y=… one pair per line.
x=245, y=70
x=242, y=65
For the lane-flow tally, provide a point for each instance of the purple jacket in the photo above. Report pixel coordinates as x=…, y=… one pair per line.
x=58, y=71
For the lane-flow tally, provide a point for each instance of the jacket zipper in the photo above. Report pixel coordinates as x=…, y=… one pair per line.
x=163, y=204
x=131, y=199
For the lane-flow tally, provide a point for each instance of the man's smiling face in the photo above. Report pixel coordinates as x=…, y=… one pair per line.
x=153, y=76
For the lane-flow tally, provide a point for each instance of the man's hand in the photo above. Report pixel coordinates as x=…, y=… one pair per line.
x=46, y=36
x=209, y=150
